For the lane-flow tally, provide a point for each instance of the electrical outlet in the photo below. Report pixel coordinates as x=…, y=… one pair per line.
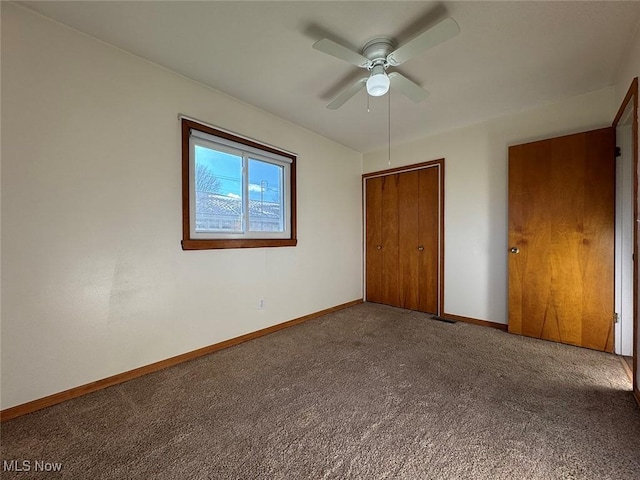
x=261, y=303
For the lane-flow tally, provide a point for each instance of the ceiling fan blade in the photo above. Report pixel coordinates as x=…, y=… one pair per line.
x=343, y=53
x=347, y=94
x=412, y=90
x=430, y=38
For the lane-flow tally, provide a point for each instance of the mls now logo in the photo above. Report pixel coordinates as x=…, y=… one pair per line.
x=30, y=466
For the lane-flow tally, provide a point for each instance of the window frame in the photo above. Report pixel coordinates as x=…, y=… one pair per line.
x=256, y=240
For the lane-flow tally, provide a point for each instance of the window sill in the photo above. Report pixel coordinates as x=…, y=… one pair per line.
x=253, y=243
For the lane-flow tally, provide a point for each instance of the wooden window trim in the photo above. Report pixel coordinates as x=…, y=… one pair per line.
x=189, y=243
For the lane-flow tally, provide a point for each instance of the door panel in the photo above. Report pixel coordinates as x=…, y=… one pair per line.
x=390, y=264
x=429, y=228
x=373, y=197
x=561, y=220
x=408, y=222
x=598, y=266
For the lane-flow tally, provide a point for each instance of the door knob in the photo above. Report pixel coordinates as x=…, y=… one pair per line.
x=514, y=250
x=421, y=248
x=378, y=247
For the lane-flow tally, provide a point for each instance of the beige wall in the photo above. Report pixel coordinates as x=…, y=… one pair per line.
x=629, y=68
x=476, y=193
x=94, y=281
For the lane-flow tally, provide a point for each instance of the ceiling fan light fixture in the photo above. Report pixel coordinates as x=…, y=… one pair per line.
x=378, y=82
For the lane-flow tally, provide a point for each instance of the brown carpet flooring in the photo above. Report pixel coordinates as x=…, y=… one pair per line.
x=369, y=392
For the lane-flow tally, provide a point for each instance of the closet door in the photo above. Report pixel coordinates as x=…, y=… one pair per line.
x=428, y=239
x=403, y=239
x=373, y=198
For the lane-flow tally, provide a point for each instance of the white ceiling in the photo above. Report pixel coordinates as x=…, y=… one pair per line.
x=509, y=56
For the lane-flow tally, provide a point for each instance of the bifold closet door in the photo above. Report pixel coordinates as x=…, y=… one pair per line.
x=402, y=239
x=382, y=240
x=429, y=239
x=418, y=223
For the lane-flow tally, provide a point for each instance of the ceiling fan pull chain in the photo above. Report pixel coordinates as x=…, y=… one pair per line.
x=389, y=124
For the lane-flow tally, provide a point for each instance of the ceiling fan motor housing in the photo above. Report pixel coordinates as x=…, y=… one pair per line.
x=376, y=51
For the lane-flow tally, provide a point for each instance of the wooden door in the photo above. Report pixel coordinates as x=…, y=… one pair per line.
x=561, y=239
x=429, y=239
x=403, y=239
x=382, y=278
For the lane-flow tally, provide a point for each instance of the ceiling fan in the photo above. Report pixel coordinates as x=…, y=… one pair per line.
x=381, y=53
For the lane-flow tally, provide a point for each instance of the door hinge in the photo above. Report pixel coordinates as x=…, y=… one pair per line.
x=618, y=152
x=616, y=318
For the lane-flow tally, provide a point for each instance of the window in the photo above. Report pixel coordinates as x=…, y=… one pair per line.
x=236, y=193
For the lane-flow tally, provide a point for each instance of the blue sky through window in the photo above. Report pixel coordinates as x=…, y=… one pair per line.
x=265, y=179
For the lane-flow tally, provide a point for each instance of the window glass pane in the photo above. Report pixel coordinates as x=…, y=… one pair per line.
x=218, y=188
x=266, y=204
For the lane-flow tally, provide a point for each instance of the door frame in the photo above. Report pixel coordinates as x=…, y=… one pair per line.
x=631, y=98
x=439, y=164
